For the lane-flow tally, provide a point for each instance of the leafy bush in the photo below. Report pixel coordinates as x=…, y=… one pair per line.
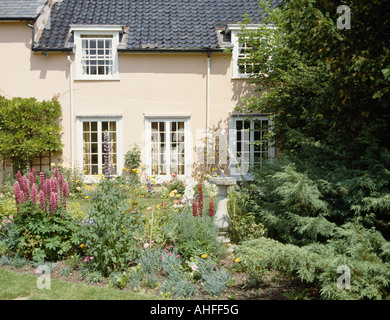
x=196, y=236
x=7, y=212
x=244, y=225
x=133, y=157
x=175, y=183
x=110, y=230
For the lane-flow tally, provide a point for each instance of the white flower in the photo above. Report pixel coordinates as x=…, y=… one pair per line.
x=194, y=267
x=189, y=193
x=146, y=245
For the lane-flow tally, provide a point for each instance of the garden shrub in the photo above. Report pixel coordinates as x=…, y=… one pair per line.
x=42, y=228
x=7, y=212
x=110, y=231
x=244, y=225
x=197, y=235
x=29, y=128
x=363, y=251
x=175, y=183
x=133, y=157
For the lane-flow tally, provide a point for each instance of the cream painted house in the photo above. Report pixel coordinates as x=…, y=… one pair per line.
x=151, y=73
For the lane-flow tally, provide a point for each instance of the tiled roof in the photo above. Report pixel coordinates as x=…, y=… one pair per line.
x=20, y=9
x=157, y=24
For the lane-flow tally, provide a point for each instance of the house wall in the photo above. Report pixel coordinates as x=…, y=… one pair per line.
x=151, y=84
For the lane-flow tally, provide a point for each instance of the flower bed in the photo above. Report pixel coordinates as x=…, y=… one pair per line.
x=132, y=236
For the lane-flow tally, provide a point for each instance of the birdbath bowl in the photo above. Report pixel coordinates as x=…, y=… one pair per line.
x=222, y=217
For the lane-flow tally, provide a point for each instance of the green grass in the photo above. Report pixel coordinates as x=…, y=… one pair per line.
x=18, y=285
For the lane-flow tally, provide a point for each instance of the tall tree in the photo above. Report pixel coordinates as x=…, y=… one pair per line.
x=328, y=83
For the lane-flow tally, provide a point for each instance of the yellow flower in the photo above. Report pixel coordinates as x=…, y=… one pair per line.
x=82, y=246
x=203, y=256
x=237, y=260
x=123, y=169
x=127, y=169
x=86, y=197
x=77, y=181
x=53, y=164
x=134, y=170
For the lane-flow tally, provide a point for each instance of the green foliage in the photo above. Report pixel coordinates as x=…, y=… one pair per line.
x=244, y=225
x=15, y=261
x=7, y=212
x=113, y=222
x=215, y=280
x=91, y=276
x=175, y=183
x=341, y=100
x=38, y=236
x=360, y=249
x=196, y=236
x=325, y=203
x=28, y=128
x=133, y=157
x=163, y=268
x=119, y=280
x=75, y=212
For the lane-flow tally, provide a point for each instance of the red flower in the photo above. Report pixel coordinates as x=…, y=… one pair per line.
x=211, y=207
x=194, y=208
x=200, y=198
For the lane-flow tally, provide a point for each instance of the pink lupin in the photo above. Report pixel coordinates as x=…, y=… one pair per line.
x=25, y=187
x=56, y=173
x=65, y=190
x=42, y=200
x=17, y=192
x=53, y=202
x=54, y=185
x=34, y=193
x=41, y=178
x=18, y=176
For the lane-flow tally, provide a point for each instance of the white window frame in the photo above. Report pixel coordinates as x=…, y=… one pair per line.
x=187, y=146
x=235, y=30
x=233, y=144
x=80, y=144
x=90, y=31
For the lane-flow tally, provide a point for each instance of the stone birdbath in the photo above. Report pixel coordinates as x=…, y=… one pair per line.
x=222, y=217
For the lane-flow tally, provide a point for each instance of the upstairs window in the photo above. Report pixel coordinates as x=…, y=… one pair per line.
x=245, y=67
x=243, y=47
x=96, y=55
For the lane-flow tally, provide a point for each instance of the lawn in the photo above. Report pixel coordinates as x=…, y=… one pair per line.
x=16, y=285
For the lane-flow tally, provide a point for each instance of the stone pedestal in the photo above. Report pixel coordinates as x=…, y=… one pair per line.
x=222, y=217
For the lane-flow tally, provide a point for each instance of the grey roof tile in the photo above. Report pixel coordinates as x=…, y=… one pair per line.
x=165, y=24
x=20, y=9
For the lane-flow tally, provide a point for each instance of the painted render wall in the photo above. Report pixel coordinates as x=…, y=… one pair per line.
x=158, y=84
